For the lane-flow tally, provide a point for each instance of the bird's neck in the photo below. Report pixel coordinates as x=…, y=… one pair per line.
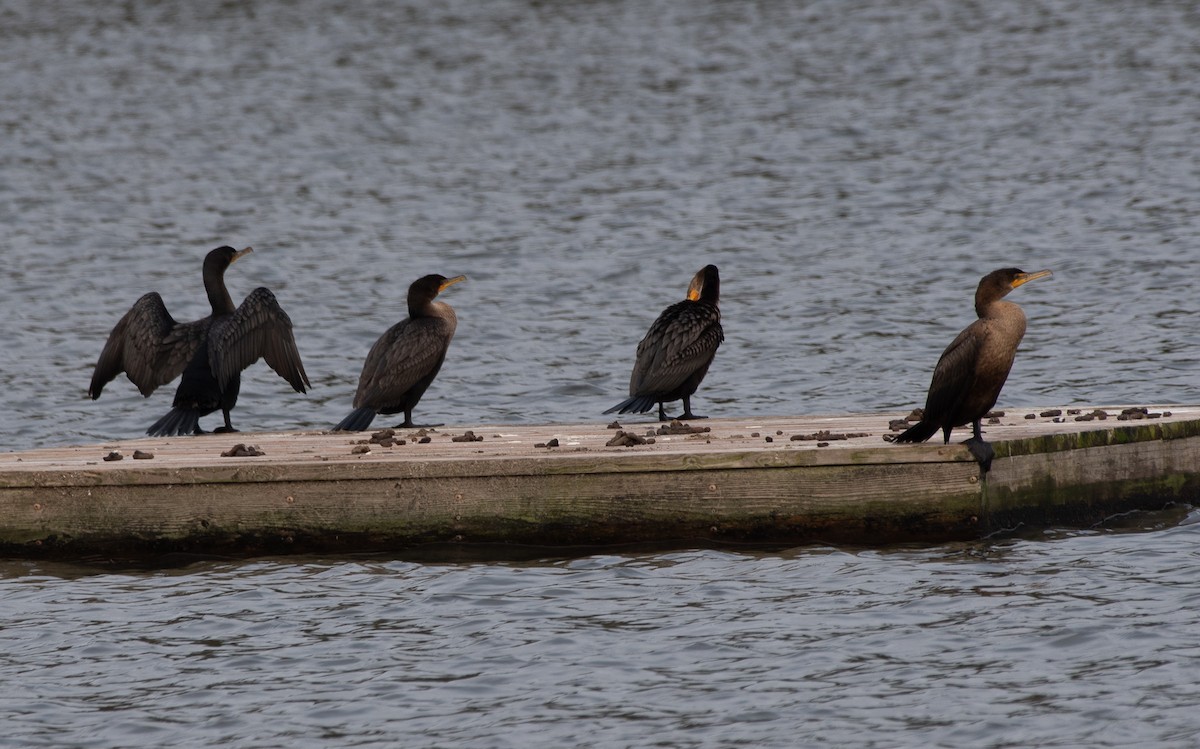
x=1002, y=310
x=427, y=308
x=218, y=295
x=985, y=308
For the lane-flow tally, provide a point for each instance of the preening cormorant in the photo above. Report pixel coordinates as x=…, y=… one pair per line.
x=972, y=370
x=153, y=349
x=405, y=359
x=679, y=347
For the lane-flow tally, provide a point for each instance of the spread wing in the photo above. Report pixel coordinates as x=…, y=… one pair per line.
x=681, y=341
x=258, y=329
x=149, y=346
x=409, y=351
x=954, y=375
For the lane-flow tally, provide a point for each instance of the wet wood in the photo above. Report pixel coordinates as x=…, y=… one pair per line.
x=311, y=491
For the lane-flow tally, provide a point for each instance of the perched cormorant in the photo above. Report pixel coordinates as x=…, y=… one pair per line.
x=675, y=354
x=153, y=349
x=405, y=359
x=972, y=369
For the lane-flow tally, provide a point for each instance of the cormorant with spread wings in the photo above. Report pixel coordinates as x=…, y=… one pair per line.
x=152, y=349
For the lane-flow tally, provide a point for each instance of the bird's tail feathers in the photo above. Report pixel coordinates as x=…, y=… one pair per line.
x=918, y=432
x=358, y=420
x=177, y=421
x=638, y=404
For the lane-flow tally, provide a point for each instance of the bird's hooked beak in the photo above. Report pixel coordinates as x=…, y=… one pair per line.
x=1024, y=278
x=450, y=282
x=240, y=253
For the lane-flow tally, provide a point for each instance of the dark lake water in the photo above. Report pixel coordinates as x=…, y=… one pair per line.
x=1082, y=639
x=853, y=167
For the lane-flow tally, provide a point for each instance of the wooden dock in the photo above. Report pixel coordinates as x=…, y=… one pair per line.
x=770, y=480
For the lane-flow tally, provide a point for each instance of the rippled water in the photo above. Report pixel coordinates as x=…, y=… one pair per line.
x=1085, y=639
x=853, y=167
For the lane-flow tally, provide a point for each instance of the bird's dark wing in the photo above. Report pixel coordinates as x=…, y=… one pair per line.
x=683, y=339
x=409, y=351
x=954, y=375
x=258, y=329
x=149, y=346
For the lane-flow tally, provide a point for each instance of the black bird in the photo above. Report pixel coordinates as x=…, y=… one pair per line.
x=405, y=359
x=679, y=347
x=153, y=349
x=972, y=370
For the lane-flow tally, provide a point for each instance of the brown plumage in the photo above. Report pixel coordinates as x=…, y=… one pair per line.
x=679, y=347
x=405, y=359
x=971, y=371
x=152, y=349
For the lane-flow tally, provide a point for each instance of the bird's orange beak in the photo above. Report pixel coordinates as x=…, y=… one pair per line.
x=1025, y=278
x=450, y=282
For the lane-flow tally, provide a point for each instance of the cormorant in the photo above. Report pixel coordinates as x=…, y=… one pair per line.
x=405, y=359
x=679, y=347
x=153, y=349
x=972, y=370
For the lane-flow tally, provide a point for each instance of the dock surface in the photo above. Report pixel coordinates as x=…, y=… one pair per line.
x=771, y=480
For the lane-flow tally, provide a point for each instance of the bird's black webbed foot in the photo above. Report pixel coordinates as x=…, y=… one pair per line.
x=687, y=411
x=982, y=451
x=411, y=425
x=228, y=427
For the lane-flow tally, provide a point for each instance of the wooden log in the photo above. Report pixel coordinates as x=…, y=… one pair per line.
x=1079, y=478
x=312, y=491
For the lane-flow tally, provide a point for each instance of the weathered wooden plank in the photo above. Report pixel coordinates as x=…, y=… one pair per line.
x=877, y=503
x=261, y=470
x=311, y=492
x=1128, y=469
